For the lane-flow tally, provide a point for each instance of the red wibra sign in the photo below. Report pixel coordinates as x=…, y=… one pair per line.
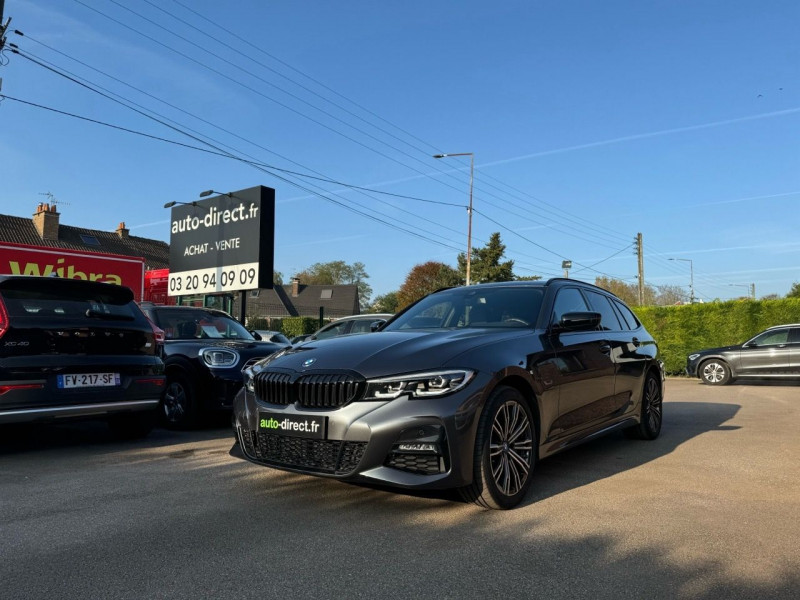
x=20, y=259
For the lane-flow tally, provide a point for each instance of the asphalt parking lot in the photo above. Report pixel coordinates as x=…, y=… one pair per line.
x=709, y=510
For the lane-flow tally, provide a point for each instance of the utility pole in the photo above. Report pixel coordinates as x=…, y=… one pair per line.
x=3, y=26
x=640, y=257
x=753, y=290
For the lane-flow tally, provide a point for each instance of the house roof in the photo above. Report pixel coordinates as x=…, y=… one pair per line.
x=19, y=230
x=335, y=300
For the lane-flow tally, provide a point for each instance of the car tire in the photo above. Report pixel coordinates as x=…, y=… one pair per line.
x=715, y=372
x=505, y=453
x=651, y=413
x=179, y=403
x=132, y=426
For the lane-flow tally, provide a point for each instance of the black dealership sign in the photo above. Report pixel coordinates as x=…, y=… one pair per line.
x=223, y=244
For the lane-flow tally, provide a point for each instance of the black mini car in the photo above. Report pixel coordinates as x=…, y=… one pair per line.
x=467, y=388
x=77, y=349
x=204, y=352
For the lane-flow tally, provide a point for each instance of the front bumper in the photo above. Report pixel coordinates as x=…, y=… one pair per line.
x=415, y=444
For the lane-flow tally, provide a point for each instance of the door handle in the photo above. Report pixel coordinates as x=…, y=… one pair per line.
x=636, y=342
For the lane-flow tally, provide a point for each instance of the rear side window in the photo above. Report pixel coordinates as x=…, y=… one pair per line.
x=602, y=304
x=627, y=315
x=37, y=298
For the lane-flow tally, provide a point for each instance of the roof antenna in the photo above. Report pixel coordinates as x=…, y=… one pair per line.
x=53, y=199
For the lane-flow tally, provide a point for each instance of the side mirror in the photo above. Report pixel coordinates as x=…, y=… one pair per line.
x=578, y=321
x=375, y=325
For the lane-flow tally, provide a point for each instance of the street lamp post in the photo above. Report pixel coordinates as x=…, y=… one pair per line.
x=469, y=209
x=691, y=276
x=751, y=289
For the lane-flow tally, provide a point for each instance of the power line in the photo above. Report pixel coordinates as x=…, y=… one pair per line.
x=285, y=179
x=172, y=33
x=225, y=154
x=265, y=96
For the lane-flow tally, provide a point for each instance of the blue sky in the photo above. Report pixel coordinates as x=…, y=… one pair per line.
x=589, y=122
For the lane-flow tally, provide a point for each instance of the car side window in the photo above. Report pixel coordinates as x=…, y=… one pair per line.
x=627, y=315
x=794, y=335
x=362, y=325
x=333, y=331
x=602, y=304
x=568, y=300
x=771, y=338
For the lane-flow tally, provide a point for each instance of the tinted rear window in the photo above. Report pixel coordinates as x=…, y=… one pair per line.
x=48, y=298
x=602, y=304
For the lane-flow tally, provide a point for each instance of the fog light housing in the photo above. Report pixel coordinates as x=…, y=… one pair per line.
x=421, y=450
x=417, y=447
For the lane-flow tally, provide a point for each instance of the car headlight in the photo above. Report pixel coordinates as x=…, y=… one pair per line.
x=693, y=356
x=429, y=384
x=219, y=357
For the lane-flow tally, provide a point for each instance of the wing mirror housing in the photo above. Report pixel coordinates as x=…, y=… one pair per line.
x=375, y=325
x=578, y=321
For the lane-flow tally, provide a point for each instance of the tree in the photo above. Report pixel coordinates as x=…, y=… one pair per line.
x=277, y=278
x=485, y=263
x=795, y=291
x=424, y=279
x=338, y=272
x=627, y=292
x=671, y=294
x=386, y=303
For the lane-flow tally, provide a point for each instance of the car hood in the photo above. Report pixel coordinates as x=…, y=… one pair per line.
x=717, y=350
x=246, y=348
x=391, y=352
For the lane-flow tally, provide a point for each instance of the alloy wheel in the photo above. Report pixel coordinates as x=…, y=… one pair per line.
x=511, y=448
x=174, y=403
x=652, y=403
x=713, y=372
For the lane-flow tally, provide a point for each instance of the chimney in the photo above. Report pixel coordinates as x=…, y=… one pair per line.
x=45, y=219
x=295, y=287
x=122, y=231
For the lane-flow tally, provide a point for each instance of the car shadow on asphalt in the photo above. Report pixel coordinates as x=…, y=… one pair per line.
x=607, y=456
x=96, y=435
x=753, y=382
x=570, y=469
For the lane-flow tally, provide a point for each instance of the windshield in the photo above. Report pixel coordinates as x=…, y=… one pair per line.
x=473, y=307
x=199, y=324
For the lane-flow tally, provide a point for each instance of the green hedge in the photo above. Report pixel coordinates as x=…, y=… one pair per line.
x=294, y=326
x=680, y=330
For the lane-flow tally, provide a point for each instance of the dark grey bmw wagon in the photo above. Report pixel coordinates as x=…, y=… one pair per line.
x=468, y=388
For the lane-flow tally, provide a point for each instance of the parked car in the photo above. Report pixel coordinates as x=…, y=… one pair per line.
x=467, y=388
x=77, y=349
x=774, y=354
x=204, y=352
x=276, y=337
x=345, y=326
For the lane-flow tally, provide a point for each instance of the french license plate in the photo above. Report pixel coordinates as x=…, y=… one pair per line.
x=305, y=426
x=83, y=380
